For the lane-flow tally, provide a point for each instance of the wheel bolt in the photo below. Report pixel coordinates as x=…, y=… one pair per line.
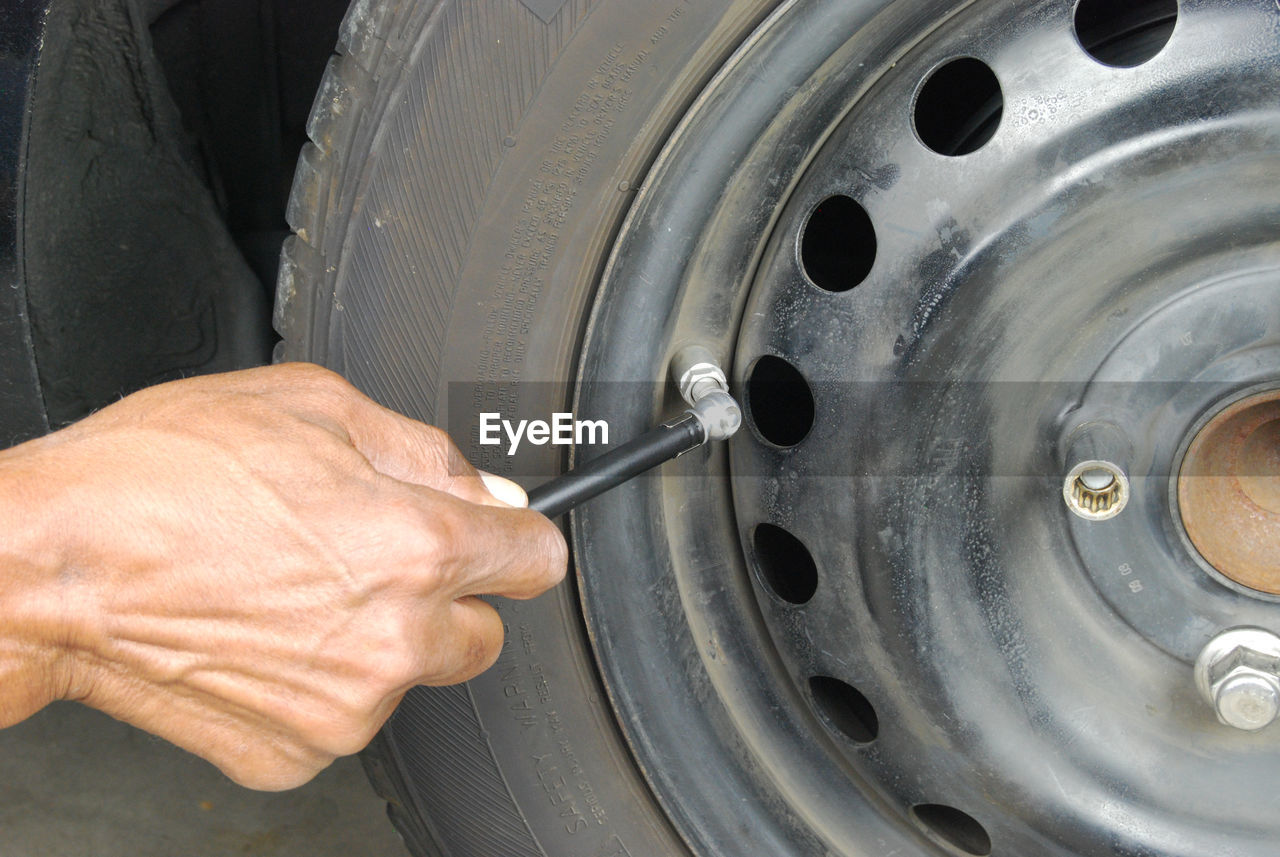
x=1248, y=700
x=1238, y=673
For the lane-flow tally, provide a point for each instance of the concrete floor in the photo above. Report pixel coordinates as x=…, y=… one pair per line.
x=75, y=783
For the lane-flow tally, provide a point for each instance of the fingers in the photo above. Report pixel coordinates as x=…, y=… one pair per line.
x=412, y=452
x=492, y=550
x=250, y=749
x=468, y=646
x=505, y=490
x=405, y=449
x=419, y=454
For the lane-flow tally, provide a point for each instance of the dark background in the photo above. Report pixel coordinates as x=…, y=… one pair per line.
x=152, y=145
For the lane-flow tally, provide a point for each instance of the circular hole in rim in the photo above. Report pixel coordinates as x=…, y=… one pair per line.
x=1124, y=35
x=785, y=563
x=958, y=108
x=954, y=827
x=779, y=401
x=838, y=247
x=846, y=708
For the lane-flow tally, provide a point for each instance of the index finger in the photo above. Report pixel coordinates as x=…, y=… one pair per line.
x=411, y=451
x=491, y=550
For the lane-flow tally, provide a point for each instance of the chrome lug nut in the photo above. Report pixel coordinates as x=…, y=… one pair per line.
x=1096, y=487
x=1247, y=700
x=1096, y=490
x=1238, y=673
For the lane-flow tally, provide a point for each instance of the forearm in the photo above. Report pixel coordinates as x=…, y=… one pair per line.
x=36, y=589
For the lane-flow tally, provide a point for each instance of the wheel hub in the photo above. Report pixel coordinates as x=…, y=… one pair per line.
x=1229, y=492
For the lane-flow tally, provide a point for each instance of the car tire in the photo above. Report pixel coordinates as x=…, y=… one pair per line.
x=469, y=164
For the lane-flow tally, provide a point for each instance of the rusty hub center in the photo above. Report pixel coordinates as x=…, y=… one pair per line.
x=1229, y=492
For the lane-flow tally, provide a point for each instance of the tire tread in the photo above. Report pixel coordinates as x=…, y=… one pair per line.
x=342, y=104
x=353, y=93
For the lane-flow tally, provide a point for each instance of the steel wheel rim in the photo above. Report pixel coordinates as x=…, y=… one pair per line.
x=718, y=610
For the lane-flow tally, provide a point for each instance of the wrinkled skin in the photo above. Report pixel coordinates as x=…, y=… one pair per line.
x=255, y=566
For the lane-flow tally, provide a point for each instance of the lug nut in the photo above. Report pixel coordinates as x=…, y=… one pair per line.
x=1238, y=673
x=1248, y=700
x=1096, y=490
x=1096, y=487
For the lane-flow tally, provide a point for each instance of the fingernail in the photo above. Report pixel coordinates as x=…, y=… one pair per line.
x=504, y=489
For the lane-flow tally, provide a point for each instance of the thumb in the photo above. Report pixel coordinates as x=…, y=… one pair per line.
x=504, y=489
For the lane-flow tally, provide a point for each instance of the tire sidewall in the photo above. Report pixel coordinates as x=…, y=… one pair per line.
x=506, y=319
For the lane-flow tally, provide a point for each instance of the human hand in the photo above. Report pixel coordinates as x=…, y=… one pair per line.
x=255, y=566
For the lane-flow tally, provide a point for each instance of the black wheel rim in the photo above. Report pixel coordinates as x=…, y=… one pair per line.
x=971, y=669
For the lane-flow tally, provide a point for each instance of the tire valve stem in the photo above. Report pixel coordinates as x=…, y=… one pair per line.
x=713, y=414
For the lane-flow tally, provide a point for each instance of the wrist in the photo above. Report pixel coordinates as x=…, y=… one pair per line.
x=38, y=592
